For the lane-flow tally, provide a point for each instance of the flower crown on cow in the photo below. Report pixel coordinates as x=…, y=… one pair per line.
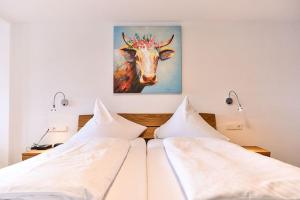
x=146, y=41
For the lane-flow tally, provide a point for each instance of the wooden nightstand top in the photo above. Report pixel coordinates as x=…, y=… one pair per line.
x=259, y=150
x=31, y=153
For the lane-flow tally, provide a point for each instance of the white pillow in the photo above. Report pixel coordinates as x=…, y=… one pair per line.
x=106, y=124
x=187, y=122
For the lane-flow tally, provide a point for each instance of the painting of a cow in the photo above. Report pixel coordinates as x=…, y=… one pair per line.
x=142, y=60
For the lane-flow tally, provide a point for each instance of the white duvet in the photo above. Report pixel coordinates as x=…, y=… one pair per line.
x=216, y=169
x=84, y=168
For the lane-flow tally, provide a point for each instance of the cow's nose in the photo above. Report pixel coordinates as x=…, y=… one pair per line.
x=151, y=78
x=145, y=78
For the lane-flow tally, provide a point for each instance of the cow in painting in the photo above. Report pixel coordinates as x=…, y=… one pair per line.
x=142, y=56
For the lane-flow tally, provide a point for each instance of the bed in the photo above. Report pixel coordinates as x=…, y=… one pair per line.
x=95, y=168
x=209, y=168
x=175, y=168
x=158, y=165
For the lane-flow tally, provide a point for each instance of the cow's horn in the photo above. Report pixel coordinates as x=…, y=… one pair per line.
x=124, y=38
x=163, y=44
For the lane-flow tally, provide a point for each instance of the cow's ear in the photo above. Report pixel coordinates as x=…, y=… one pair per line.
x=129, y=54
x=166, y=54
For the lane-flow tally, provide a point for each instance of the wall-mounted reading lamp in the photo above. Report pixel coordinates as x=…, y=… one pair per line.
x=64, y=101
x=229, y=100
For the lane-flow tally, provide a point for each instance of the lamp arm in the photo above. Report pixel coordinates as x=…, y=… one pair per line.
x=235, y=94
x=54, y=98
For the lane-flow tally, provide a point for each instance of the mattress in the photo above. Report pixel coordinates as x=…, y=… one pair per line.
x=131, y=181
x=162, y=181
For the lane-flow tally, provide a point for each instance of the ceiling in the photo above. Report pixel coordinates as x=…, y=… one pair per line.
x=28, y=11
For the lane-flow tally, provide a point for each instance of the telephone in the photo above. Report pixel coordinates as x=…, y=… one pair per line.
x=41, y=147
x=37, y=146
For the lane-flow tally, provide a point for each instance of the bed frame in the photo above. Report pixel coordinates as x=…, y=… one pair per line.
x=152, y=121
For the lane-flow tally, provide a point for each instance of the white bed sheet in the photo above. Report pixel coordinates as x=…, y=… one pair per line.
x=207, y=171
x=162, y=181
x=83, y=168
x=131, y=181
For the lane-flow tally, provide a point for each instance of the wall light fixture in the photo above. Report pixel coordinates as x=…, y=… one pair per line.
x=229, y=100
x=64, y=101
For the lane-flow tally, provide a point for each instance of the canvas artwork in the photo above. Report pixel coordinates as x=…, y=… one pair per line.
x=147, y=59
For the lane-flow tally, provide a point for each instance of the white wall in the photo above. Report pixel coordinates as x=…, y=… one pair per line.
x=259, y=60
x=4, y=91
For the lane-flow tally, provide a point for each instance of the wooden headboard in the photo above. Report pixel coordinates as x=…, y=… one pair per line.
x=152, y=121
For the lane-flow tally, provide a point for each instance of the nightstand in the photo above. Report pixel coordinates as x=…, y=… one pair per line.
x=31, y=153
x=259, y=150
